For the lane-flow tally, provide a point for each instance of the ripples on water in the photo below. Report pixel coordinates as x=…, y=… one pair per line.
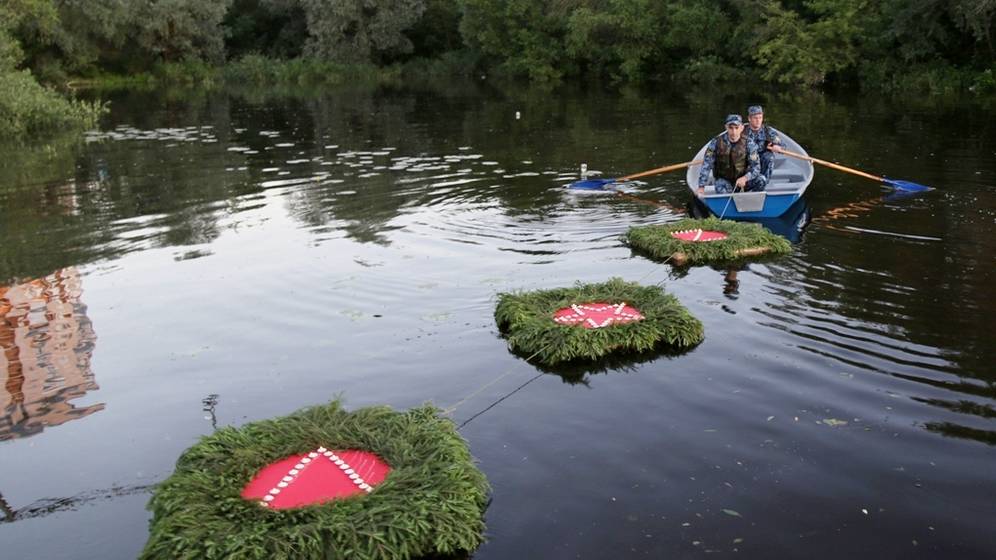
x=843, y=401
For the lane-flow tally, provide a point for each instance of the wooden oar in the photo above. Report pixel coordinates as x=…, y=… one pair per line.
x=901, y=185
x=592, y=184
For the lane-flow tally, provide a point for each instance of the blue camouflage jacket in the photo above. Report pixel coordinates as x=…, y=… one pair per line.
x=709, y=159
x=761, y=138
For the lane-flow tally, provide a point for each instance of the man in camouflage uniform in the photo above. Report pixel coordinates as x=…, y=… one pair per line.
x=768, y=143
x=731, y=160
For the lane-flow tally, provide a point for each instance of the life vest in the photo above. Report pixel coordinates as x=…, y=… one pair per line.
x=731, y=159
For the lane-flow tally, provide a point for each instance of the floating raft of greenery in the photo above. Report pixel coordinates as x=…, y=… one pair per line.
x=692, y=241
x=590, y=321
x=431, y=501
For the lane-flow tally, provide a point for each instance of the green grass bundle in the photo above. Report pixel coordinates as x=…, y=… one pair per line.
x=527, y=321
x=432, y=502
x=745, y=240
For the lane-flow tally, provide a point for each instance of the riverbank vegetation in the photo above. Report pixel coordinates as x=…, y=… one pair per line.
x=26, y=106
x=920, y=46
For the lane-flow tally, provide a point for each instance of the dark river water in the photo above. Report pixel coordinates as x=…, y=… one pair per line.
x=212, y=259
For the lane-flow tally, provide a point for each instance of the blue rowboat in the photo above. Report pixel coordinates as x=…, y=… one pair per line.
x=788, y=181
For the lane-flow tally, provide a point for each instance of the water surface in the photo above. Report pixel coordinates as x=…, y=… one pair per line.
x=209, y=260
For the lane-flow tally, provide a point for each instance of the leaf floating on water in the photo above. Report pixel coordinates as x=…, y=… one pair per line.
x=833, y=422
x=732, y=512
x=353, y=314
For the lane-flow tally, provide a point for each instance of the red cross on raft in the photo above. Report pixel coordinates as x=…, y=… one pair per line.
x=698, y=235
x=315, y=477
x=597, y=315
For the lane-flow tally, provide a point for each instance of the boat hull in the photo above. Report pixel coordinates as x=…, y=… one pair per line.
x=772, y=207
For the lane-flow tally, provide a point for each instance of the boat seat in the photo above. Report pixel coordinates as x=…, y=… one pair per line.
x=782, y=187
x=786, y=178
x=780, y=182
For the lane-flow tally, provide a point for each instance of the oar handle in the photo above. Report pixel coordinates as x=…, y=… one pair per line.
x=836, y=166
x=664, y=169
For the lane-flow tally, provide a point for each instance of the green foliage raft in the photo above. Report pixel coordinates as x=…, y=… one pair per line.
x=527, y=320
x=657, y=242
x=431, y=502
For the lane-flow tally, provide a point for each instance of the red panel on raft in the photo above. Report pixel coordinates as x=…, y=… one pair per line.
x=316, y=477
x=698, y=235
x=597, y=315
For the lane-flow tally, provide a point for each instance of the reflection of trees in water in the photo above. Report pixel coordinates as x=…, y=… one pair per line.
x=47, y=342
x=48, y=506
x=83, y=215
x=425, y=123
x=905, y=288
x=546, y=137
x=929, y=292
x=933, y=293
x=925, y=283
x=583, y=373
x=26, y=166
x=876, y=281
x=950, y=429
x=182, y=182
x=356, y=121
x=8, y=512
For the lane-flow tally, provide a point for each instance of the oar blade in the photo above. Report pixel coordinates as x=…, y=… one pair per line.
x=908, y=186
x=590, y=184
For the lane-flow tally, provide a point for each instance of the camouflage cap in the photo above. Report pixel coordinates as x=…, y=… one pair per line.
x=754, y=110
x=734, y=119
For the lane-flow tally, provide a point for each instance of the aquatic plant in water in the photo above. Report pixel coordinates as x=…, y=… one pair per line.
x=742, y=240
x=540, y=324
x=432, y=502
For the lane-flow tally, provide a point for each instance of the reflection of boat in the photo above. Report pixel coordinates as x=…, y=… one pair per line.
x=788, y=181
x=790, y=224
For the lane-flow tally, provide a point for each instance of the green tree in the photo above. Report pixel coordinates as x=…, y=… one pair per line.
x=620, y=40
x=438, y=30
x=26, y=107
x=10, y=51
x=360, y=30
x=699, y=28
x=916, y=30
x=77, y=36
x=272, y=28
x=792, y=49
x=926, y=30
x=977, y=17
x=174, y=30
x=521, y=38
x=24, y=22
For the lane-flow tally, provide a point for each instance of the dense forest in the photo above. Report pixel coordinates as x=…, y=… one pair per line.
x=925, y=46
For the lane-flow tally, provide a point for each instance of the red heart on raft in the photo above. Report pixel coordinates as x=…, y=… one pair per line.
x=316, y=477
x=698, y=235
x=597, y=315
